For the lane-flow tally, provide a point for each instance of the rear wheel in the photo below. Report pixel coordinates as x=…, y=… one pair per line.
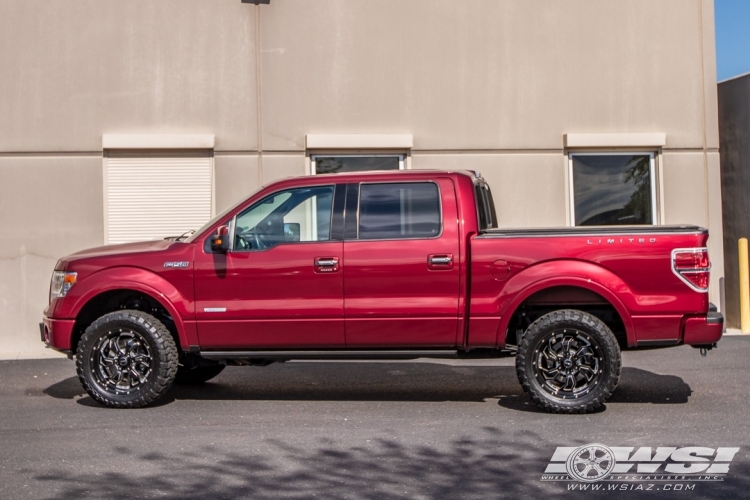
x=568, y=361
x=126, y=359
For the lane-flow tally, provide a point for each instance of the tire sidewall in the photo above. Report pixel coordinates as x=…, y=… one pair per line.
x=608, y=353
x=148, y=328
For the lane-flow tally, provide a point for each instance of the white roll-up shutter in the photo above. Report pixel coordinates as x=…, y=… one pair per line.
x=154, y=195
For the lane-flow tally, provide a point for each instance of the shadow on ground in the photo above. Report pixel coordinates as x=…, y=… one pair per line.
x=497, y=465
x=391, y=382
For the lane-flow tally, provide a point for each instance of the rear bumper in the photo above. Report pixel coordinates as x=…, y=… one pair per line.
x=703, y=330
x=57, y=333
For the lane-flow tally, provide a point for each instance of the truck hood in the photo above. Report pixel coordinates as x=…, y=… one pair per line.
x=122, y=249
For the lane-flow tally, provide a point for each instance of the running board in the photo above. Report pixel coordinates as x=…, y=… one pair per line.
x=412, y=354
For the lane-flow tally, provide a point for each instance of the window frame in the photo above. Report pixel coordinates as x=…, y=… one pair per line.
x=440, y=210
x=314, y=158
x=232, y=222
x=652, y=172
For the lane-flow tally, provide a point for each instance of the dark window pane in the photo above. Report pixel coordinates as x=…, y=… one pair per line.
x=408, y=210
x=612, y=189
x=485, y=206
x=337, y=164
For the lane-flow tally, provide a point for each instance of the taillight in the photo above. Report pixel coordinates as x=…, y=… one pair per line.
x=692, y=266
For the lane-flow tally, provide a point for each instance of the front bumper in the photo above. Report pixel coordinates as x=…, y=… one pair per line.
x=703, y=330
x=57, y=333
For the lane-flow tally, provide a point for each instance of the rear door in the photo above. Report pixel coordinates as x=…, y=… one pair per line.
x=401, y=273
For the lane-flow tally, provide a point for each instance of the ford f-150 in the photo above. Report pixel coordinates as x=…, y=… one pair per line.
x=388, y=265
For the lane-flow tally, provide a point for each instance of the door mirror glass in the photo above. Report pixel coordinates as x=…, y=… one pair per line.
x=220, y=240
x=292, y=231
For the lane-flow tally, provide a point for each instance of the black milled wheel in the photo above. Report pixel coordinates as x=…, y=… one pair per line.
x=126, y=359
x=195, y=375
x=568, y=361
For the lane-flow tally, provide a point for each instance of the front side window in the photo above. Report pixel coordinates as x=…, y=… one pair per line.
x=399, y=210
x=613, y=189
x=291, y=216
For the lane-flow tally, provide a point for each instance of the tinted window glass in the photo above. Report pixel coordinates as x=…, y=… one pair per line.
x=408, y=210
x=293, y=216
x=485, y=206
x=336, y=164
x=612, y=189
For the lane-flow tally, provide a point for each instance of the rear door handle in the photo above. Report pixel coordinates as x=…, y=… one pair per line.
x=326, y=264
x=440, y=261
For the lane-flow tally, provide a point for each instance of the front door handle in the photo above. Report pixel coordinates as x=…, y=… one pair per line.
x=440, y=262
x=326, y=264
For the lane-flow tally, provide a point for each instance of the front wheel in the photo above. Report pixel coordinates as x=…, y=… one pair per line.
x=568, y=361
x=126, y=359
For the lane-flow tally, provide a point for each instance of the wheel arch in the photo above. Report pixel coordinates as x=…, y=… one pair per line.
x=571, y=292
x=128, y=295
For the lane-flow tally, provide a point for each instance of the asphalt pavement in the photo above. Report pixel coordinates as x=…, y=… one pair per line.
x=335, y=430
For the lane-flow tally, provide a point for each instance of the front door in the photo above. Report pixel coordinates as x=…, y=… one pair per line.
x=401, y=280
x=281, y=284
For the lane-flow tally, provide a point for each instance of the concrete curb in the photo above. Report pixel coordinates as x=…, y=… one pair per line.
x=46, y=354
x=735, y=331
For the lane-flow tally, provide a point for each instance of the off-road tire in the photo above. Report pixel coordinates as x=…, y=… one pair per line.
x=149, y=335
x=196, y=375
x=531, y=366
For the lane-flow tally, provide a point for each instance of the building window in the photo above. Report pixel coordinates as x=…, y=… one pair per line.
x=156, y=194
x=612, y=189
x=398, y=211
x=334, y=164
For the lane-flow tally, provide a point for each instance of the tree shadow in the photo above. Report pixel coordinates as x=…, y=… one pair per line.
x=382, y=468
x=496, y=464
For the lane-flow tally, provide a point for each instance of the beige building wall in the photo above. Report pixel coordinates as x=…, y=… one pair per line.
x=51, y=206
x=482, y=84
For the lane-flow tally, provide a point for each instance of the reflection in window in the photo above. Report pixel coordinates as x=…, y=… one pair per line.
x=406, y=210
x=295, y=215
x=339, y=164
x=612, y=190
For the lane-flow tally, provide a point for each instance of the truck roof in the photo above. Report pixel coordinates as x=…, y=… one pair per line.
x=387, y=175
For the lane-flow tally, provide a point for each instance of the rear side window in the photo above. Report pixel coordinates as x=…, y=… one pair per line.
x=395, y=211
x=485, y=206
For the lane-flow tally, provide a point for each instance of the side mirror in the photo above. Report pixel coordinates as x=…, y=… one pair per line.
x=291, y=231
x=220, y=240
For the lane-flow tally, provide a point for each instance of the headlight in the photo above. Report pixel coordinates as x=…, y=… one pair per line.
x=61, y=282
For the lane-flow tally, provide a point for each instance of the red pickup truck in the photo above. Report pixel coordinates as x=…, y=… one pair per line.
x=386, y=265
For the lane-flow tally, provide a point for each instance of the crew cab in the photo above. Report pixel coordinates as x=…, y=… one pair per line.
x=386, y=265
